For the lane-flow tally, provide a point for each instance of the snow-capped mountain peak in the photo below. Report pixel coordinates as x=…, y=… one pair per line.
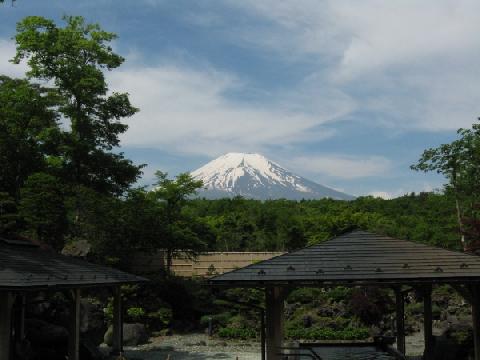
x=255, y=176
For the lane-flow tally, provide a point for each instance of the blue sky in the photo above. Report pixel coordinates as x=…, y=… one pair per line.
x=345, y=93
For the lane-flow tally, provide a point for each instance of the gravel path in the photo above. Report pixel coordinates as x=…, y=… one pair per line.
x=194, y=347
x=201, y=347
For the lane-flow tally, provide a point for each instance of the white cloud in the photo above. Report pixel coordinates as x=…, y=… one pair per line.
x=412, y=63
x=7, y=52
x=342, y=167
x=188, y=110
x=425, y=187
x=381, y=194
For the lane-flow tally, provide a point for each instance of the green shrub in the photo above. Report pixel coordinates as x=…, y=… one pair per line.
x=236, y=333
x=221, y=319
x=305, y=295
x=339, y=293
x=135, y=313
x=108, y=310
x=161, y=318
x=414, y=308
x=315, y=333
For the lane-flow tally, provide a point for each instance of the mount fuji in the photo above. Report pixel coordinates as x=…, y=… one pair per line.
x=255, y=177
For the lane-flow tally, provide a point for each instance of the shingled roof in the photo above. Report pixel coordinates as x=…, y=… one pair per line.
x=359, y=257
x=25, y=266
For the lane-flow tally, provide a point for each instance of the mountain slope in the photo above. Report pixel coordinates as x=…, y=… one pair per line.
x=254, y=176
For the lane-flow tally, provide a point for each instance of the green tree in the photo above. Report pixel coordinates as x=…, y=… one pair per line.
x=42, y=208
x=74, y=58
x=28, y=127
x=459, y=162
x=8, y=215
x=180, y=237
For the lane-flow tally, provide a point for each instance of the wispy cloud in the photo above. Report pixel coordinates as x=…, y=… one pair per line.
x=342, y=166
x=412, y=64
x=189, y=110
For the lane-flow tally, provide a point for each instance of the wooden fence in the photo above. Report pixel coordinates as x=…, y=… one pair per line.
x=207, y=264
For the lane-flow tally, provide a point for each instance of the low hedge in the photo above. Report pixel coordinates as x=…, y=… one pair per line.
x=327, y=334
x=236, y=333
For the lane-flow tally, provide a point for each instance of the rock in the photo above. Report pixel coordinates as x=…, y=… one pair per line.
x=108, y=337
x=40, y=332
x=79, y=248
x=133, y=335
x=105, y=350
x=452, y=309
x=92, y=321
x=442, y=326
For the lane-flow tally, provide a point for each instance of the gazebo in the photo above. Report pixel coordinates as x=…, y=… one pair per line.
x=27, y=268
x=362, y=258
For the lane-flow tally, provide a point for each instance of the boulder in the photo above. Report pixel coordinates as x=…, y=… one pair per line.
x=92, y=321
x=133, y=335
x=79, y=248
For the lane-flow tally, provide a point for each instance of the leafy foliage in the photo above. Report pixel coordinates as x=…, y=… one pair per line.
x=42, y=207
x=459, y=162
x=75, y=57
x=28, y=125
x=180, y=235
x=8, y=215
x=236, y=333
x=327, y=334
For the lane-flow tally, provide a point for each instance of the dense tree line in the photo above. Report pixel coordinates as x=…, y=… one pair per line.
x=282, y=225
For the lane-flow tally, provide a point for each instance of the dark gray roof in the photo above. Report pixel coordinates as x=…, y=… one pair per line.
x=25, y=266
x=359, y=257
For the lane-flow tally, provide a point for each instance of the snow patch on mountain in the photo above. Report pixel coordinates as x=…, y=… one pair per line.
x=255, y=176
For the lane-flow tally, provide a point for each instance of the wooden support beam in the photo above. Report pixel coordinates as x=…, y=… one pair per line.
x=6, y=303
x=400, y=322
x=262, y=334
x=117, y=347
x=475, y=291
x=274, y=301
x=21, y=317
x=427, y=322
x=74, y=331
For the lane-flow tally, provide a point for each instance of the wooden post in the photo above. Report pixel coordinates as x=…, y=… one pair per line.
x=475, y=292
x=400, y=314
x=427, y=322
x=117, y=321
x=262, y=333
x=6, y=303
x=274, y=297
x=21, y=320
x=74, y=333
